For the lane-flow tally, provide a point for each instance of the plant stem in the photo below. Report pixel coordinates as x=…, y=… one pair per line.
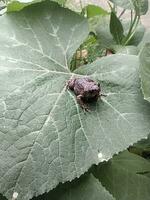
x=81, y=7
x=132, y=25
x=132, y=31
x=131, y=16
x=122, y=13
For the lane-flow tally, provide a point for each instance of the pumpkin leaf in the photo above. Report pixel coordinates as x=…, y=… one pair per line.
x=45, y=136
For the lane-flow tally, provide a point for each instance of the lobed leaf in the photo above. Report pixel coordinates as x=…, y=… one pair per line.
x=45, y=137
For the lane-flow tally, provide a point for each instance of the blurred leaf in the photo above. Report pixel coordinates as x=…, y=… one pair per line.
x=125, y=176
x=138, y=35
x=144, y=143
x=93, y=10
x=116, y=28
x=16, y=5
x=139, y=5
x=142, y=148
x=129, y=50
x=85, y=188
x=61, y=2
x=145, y=39
x=2, y=197
x=105, y=38
x=103, y=33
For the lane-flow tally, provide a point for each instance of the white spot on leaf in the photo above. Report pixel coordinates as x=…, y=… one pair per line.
x=101, y=157
x=15, y=195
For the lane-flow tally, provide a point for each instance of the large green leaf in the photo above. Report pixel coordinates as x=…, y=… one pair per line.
x=85, y=188
x=36, y=45
x=145, y=71
x=45, y=137
x=141, y=5
x=125, y=176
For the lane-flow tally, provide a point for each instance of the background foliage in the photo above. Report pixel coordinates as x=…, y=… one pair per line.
x=47, y=141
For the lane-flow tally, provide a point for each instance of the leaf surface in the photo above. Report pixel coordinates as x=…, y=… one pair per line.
x=45, y=137
x=145, y=71
x=125, y=176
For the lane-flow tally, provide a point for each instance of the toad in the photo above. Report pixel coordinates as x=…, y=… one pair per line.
x=86, y=90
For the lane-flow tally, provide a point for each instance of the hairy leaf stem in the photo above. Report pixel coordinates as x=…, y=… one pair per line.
x=132, y=29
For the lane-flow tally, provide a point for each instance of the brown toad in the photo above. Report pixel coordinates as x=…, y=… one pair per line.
x=86, y=90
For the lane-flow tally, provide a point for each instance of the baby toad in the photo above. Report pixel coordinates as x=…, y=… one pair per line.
x=86, y=90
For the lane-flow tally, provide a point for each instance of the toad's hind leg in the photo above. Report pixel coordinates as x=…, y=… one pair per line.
x=81, y=103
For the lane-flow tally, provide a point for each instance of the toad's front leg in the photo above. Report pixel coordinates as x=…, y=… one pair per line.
x=70, y=84
x=81, y=103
